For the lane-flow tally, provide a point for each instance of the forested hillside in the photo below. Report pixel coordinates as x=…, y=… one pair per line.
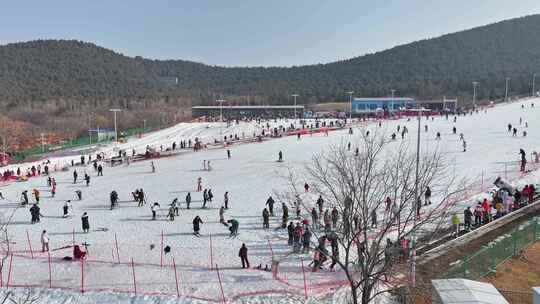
x=447, y=65
x=59, y=84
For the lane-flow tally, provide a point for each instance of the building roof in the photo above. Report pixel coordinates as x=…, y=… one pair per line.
x=461, y=291
x=247, y=107
x=382, y=99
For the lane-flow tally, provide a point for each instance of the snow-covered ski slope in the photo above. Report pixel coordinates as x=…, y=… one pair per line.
x=250, y=176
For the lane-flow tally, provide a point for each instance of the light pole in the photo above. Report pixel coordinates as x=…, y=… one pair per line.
x=144, y=125
x=294, y=96
x=221, y=101
x=415, y=201
x=350, y=101
x=533, y=83
x=392, y=91
x=506, y=90
x=42, y=143
x=89, y=129
x=115, y=126
x=475, y=83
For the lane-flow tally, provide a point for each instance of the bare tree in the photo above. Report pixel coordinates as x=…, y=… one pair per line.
x=374, y=191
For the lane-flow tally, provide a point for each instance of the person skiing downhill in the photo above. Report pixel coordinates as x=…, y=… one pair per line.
x=199, y=184
x=114, y=199
x=523, y=160
x=280, y=156
x=266, y=218
x=196, y=225
x=65, y=209
x=35, y=214
x=243, y=255
x=175, y=206
x=87, y=179
x=222, y=215
x=233, y=228
x=226, y=199
x=188, y=200
x=44, y=241
x=270, y=203
x=205, y=198
x=285, y=216
x=155, y=207
x=85, y=223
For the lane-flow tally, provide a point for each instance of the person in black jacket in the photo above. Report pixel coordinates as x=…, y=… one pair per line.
x=270, y=202
x=197, y=225
x=35, y=213
x=188, y=199
x=468, y=218
x=85, y=223
x=427, y=196
x=243, y=254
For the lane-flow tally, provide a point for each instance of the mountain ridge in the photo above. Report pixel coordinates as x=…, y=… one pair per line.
x=428, y=68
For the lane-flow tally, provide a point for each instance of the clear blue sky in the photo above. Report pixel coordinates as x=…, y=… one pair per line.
x=250, y=32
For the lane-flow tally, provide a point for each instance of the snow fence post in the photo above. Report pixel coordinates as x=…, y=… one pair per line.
x=133, y=272
x=220, y=285
x=176, y=279
x=9, y=271
x=29, y=244
x=304, y=275
x=211, y=254
x=161, y=254
x=117, y=250
x=73, y=239
x=82, y=275
x=50, y=270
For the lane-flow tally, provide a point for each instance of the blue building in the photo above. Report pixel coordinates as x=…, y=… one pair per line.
x=381, y=104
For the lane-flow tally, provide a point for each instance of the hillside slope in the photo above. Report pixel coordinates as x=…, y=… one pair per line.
x=39, y=70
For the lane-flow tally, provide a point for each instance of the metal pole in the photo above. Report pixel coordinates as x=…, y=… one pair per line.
x=350, y=101
x=413, y=258
x=506, y=90
x=89, y=128
x=475, y=83
x=42, y=145
x=115, y=125
x=392, y=90
x=294, y=96
x=144, y=125
x=221, y=101
x=115, y=128
x=533, y=83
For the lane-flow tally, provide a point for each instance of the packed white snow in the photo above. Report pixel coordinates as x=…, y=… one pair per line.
x=250, y=176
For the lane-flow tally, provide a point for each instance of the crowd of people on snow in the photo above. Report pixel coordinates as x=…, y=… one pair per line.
x=303, y=229
x=502, y=202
